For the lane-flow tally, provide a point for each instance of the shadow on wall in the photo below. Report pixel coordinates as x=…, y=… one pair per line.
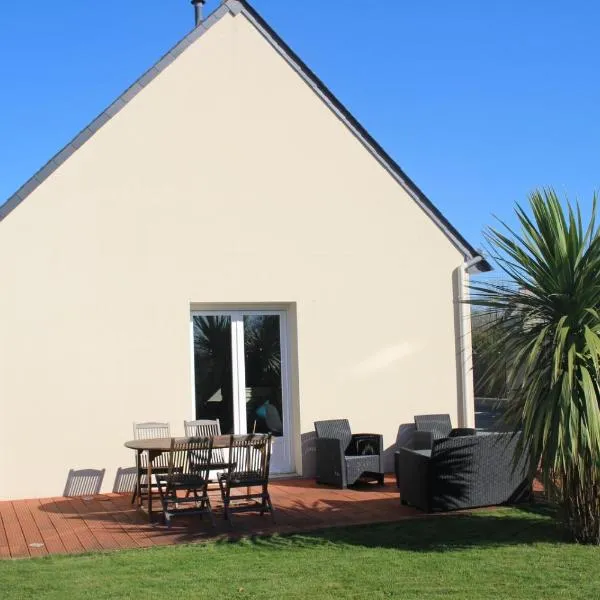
x=84, y=482
x=403, y=438
x=309, y=449
x=125, y=480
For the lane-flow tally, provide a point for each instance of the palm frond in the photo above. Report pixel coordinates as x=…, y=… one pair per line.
x=547, y=342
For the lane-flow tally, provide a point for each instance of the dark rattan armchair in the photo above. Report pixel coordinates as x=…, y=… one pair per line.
x=343, y=458
x=429, y=428
x=463, y=472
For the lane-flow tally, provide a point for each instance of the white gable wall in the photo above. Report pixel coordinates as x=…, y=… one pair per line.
x=226, y=180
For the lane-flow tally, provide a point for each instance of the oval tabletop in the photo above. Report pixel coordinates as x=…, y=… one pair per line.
x=164, y=444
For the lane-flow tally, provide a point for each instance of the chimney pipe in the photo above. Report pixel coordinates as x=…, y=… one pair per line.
x=198, y=4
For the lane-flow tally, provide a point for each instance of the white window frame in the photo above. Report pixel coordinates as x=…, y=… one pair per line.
x=239, y=372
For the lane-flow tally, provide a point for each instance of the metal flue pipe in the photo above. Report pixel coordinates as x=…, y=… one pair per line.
x=198, y=5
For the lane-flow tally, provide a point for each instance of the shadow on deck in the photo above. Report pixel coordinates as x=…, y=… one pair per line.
x=98, y=522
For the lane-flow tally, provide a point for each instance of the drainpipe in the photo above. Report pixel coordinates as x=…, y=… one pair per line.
x=466, y=414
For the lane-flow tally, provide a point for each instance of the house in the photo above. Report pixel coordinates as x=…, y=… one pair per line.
x=261, y=260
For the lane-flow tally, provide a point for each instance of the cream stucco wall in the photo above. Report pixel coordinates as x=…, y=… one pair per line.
x=225, y=181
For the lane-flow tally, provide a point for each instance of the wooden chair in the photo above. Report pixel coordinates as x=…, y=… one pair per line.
x=202, y=427
x=208, y=428
x=185, y=473
x=248, y=467
x=146, y=431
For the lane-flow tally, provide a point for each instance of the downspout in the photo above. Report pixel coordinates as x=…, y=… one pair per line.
x=466, y=414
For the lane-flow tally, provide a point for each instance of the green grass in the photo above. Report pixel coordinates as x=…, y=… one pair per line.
x=507, y=553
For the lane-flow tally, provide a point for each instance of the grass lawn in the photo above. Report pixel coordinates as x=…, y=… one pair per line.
x=507, y=553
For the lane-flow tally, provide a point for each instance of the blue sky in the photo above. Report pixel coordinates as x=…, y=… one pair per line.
x=479, y=102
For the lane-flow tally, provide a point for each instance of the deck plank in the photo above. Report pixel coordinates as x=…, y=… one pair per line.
x=63, y=525
x=110, y=522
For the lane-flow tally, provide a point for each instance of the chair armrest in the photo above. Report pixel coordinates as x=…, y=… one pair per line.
x=462, y=431
x=421, y=440
x=374, y=440
x=331, y=467
x=412, y=477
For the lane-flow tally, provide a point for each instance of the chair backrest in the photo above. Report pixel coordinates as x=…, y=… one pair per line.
x=439, y=425
x=190, y=456
x=151, y=429
x=338, y=429
x=202, y=428
x=206, y=428
x=250, y=454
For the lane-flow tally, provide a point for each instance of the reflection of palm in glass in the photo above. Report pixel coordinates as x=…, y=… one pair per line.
x=213, y=370
x=262, y=355
x=214, y=375
x=262, y=348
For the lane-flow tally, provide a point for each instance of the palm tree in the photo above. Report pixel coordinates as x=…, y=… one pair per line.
x=548, y=339
x=489, y=377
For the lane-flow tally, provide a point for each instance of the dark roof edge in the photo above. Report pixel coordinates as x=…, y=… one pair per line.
x=363, y=135
x=131, y=92
x=235, y=7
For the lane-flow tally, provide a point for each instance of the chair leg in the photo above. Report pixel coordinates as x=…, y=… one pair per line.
x=136, y=489
x=137, y=493
x=226, y=502
x=266, y=501
x=263, y=505
x=226, y=513
x=205, y=505
x=271, y=508
x=164, y=504
x=221, y=483
x=224, y=497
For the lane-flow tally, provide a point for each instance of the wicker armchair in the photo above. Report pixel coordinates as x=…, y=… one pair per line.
x=462, y=472
x=343, y=457
x=429, y=428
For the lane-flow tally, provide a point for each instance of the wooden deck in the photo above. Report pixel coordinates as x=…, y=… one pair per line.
x=61, y=525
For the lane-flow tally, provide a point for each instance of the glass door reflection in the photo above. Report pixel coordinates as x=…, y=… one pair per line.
x=262, y=369
x=213, y=370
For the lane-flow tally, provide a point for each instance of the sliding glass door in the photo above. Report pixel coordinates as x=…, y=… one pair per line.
x=241, y=375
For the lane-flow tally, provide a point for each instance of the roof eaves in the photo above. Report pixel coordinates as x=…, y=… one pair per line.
x=131, y=92
x=468, y=251
x=234, y=7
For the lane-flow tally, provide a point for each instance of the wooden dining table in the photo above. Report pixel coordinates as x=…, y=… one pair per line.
x=156, y=446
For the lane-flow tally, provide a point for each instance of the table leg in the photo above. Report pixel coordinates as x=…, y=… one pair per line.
x=151, y=457
x=138, y=479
